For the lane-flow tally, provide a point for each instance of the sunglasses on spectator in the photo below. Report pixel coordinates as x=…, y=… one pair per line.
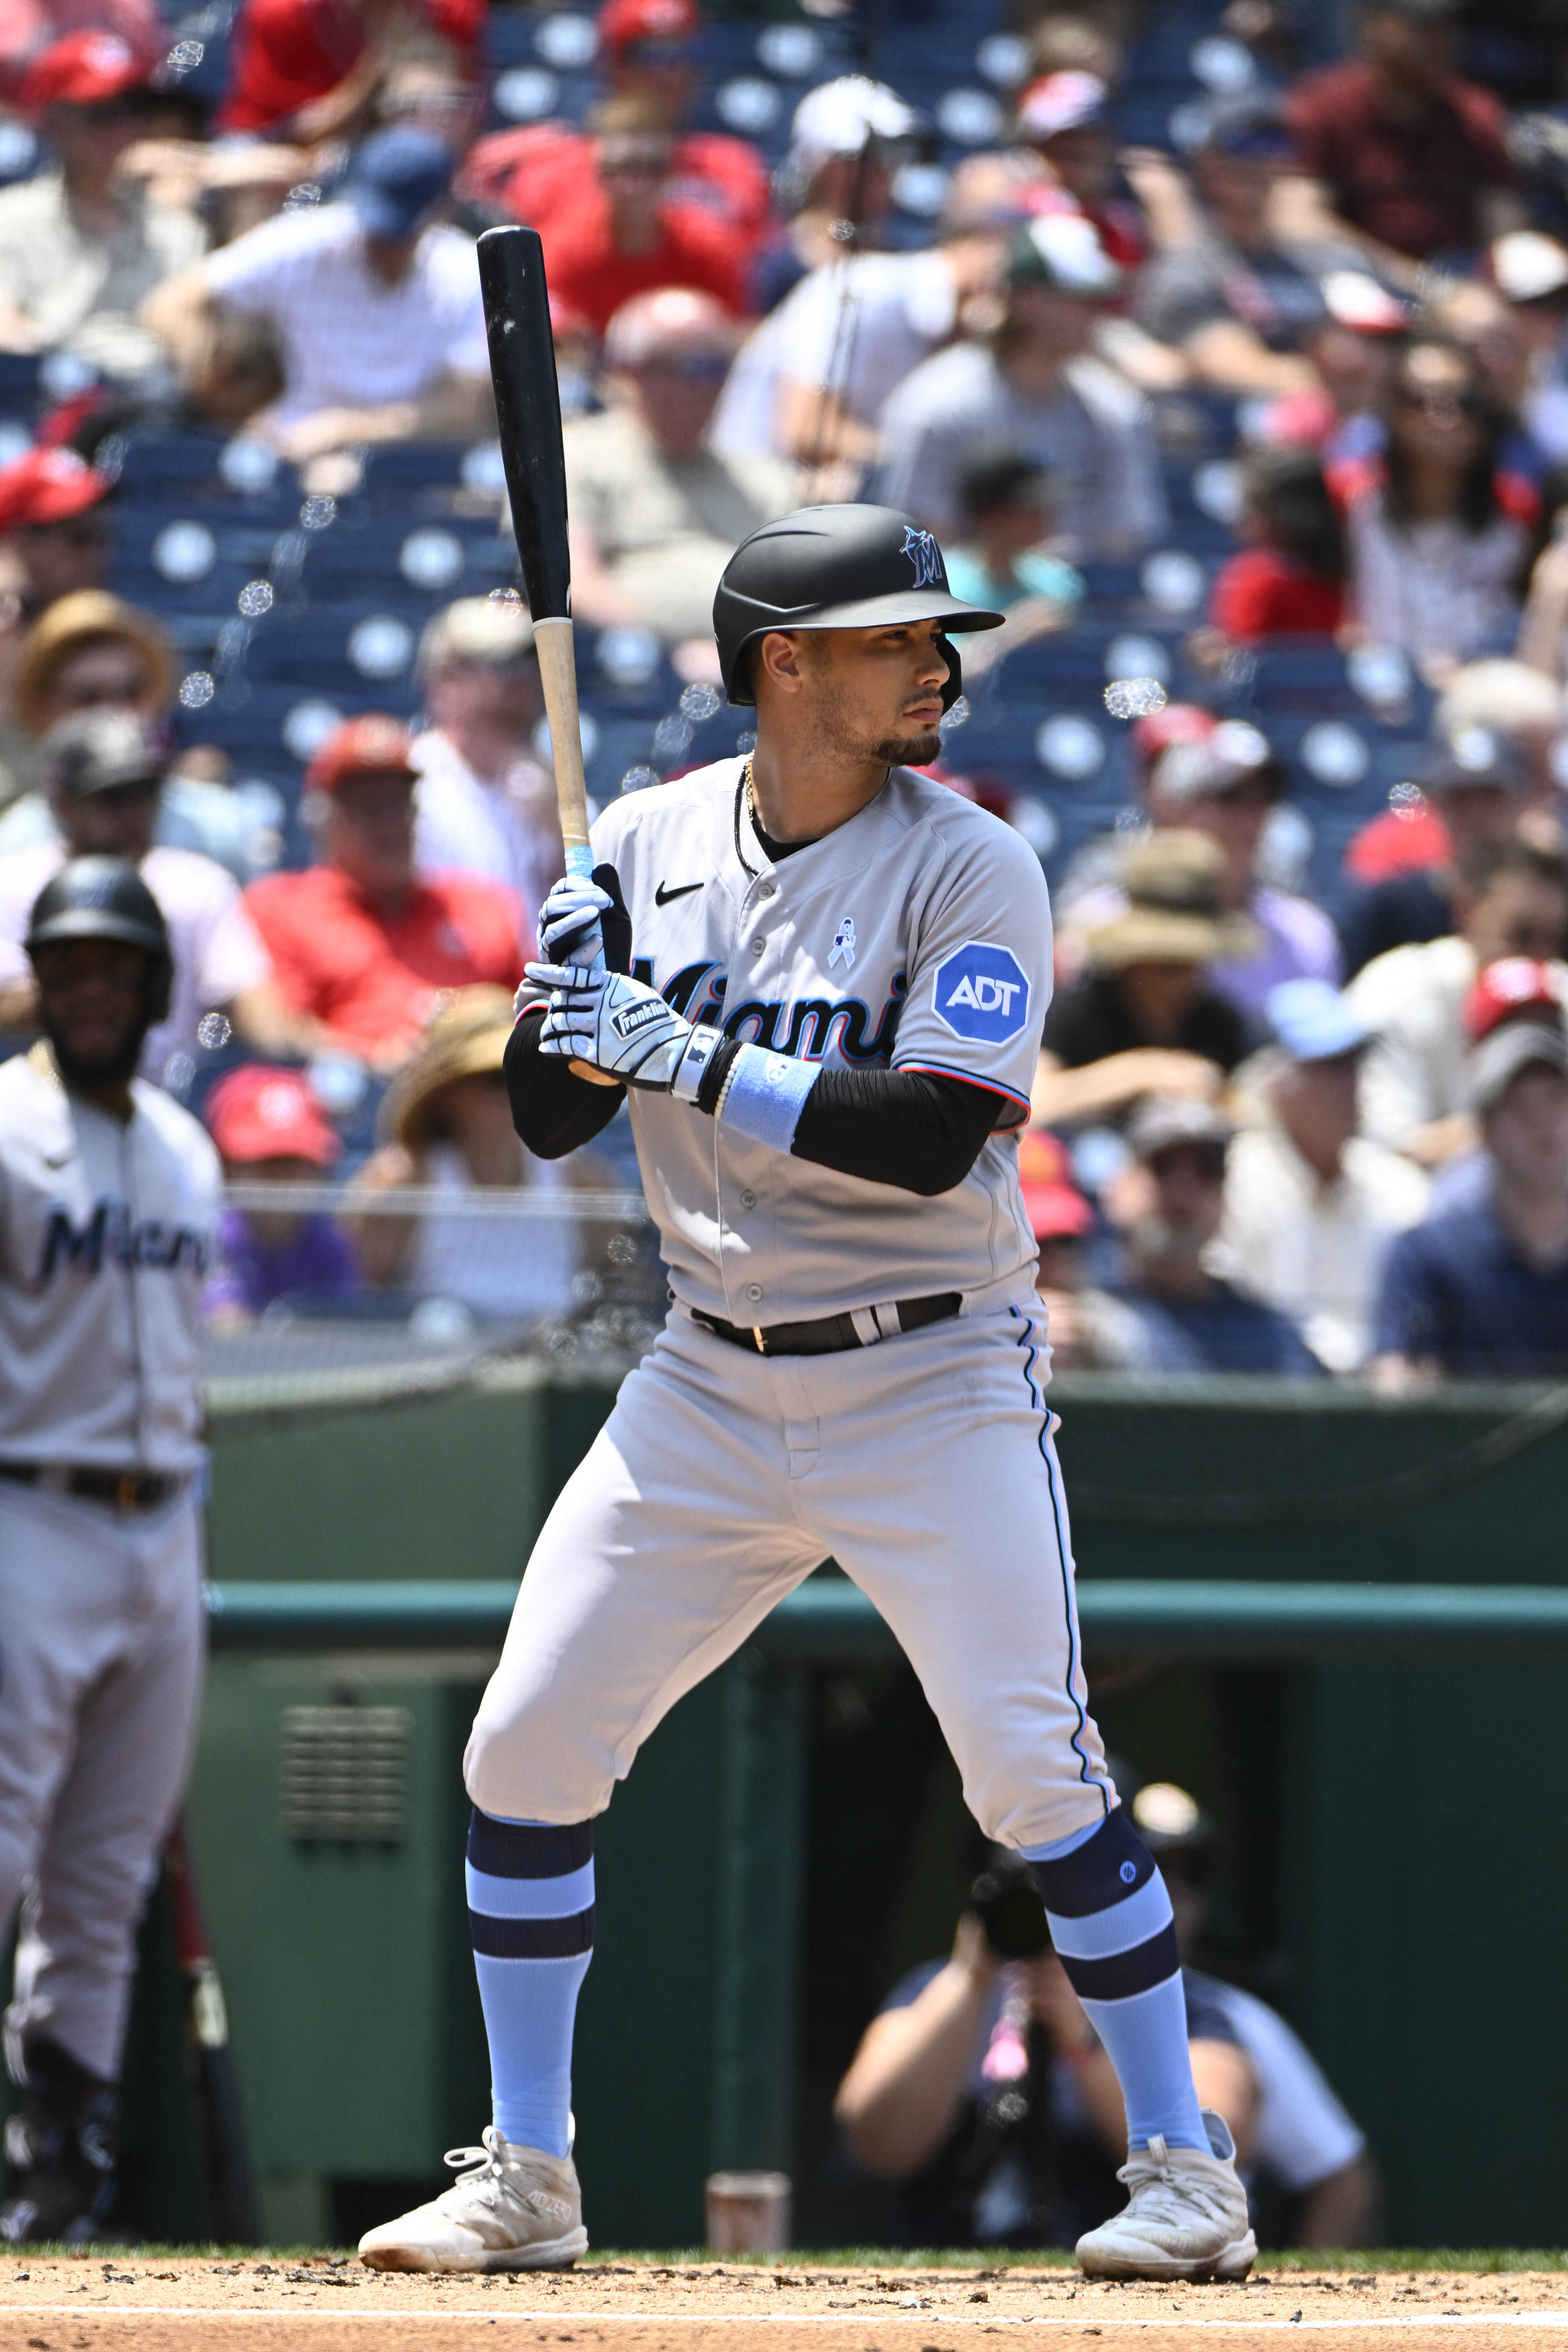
x=1438, y=404
x=1255, y=146
x=697, y=367
x=106, y=114
x=77, y=531
x=645, y=166
x=658, y=53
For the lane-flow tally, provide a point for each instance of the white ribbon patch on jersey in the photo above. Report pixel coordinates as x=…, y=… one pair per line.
x=982, y=991
x=843, y=944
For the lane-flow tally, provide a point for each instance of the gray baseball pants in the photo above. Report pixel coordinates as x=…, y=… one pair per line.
x=924, y=1465
x=100, y=1667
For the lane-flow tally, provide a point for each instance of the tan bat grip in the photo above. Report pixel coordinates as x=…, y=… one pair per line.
x=557, y=671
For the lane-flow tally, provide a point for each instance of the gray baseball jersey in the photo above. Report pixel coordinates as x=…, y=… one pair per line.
x=917, y=936
x=105, y=1232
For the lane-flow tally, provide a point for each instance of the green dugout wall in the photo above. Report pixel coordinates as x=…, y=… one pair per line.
x=1422, y=1784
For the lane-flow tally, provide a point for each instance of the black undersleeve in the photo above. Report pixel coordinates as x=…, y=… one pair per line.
x=552, y=1110
x=904, y=1128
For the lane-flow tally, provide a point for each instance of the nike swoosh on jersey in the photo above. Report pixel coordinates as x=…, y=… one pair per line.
x=663, y=893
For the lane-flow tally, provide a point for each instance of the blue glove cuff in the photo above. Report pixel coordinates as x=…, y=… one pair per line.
x=765, y=1094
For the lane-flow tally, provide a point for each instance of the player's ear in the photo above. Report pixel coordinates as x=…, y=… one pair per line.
x=778, y=658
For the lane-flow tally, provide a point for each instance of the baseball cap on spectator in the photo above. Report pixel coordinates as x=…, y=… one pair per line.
x=495, y=635
x=370, y=745
x=1353, y=298
x=1474, y=755
x=1527, y=267
x=1175, y=911
x=397, y=178
x=1251, y=123
x=1179, y=722
x=1499, y=1058
x=1515, y=988
x=1231, y=754
x=1063, y=250
x=83, y=69
x=1061, y=102
x=49, y=486
x=839, y=118
x=102, y=751
x=1314, y=1023
x=1052, y=1203
x=256, y=1113
x=1162, y=1122
x=639, y=23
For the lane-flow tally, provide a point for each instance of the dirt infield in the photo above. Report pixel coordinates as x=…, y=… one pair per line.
x=149, y=2303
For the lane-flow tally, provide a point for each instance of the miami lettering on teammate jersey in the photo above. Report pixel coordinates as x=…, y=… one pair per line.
x=109, y=1236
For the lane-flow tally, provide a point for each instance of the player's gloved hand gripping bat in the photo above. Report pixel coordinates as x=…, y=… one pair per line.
x=528, y=415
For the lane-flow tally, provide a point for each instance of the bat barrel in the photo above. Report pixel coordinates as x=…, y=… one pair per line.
x=528, y=411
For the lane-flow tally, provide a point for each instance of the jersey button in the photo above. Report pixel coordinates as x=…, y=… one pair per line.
x=766, y=889
x=758, y=945
x=748, y=1200
x=753, y=1292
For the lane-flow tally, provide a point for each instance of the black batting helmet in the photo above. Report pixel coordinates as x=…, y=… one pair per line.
x=842, y=567
x=106, y=898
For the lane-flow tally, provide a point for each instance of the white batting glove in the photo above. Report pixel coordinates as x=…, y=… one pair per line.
x=623, y=1028
x=568, y=919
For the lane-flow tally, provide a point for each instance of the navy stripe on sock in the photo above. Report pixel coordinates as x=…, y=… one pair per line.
x=1125, y=1973
x=527, y=1849
x=1108, y=1867
x=531, y=1939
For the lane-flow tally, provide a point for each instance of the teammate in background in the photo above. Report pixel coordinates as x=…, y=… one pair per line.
x=837, y=971
x=107, y=1214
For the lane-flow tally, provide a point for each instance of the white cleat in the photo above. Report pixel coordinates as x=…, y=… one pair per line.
x=515, y=2209
x=1185, y=2215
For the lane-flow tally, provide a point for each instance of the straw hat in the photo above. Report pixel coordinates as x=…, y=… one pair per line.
x=69, y=623
x=1175, y=911
x=466, y=1036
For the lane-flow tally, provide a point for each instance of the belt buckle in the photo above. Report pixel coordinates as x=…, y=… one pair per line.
x=128, y=1490
x=757, y=1335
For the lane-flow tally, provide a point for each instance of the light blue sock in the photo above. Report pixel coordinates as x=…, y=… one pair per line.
x=530, y=1915
x=1111, y=1923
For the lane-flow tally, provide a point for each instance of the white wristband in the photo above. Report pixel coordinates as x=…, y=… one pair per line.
x=700, y=1048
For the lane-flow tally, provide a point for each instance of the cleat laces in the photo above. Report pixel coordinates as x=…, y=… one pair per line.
x=1159, y=2197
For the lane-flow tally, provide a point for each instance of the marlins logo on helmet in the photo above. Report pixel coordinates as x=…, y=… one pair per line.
x=926, y=557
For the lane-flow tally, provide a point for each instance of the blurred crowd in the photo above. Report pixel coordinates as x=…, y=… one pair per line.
x=1303, y=1101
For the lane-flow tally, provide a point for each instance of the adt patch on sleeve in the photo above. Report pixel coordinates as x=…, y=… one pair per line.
x=981, y=992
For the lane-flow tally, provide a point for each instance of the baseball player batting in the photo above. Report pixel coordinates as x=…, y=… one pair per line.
x=109, y=1195
x=828, y=1020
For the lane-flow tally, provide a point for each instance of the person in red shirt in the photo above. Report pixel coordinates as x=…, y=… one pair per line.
x=1395, y=149
x=360, y=942
x=625, y=237
x=308, y=66
x=1290, y=581
x=647, y=48
x=1066, y=118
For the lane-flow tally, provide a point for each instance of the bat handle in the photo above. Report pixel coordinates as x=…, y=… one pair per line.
x=557, y=675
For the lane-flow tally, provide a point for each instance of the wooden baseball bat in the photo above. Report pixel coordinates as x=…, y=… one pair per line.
x=233, y=2211
x=528, y=413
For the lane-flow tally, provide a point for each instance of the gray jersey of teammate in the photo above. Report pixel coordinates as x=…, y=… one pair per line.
x=916, y=936
x=106, y=1229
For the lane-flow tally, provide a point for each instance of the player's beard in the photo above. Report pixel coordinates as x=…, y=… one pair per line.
x=909, y=751
x=87, y=1074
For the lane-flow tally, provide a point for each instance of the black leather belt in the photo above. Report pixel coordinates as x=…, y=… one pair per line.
x=863, y=1328
x=128, y=1490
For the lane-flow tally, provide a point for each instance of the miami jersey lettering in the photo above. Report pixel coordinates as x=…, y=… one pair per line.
x=941, y=913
